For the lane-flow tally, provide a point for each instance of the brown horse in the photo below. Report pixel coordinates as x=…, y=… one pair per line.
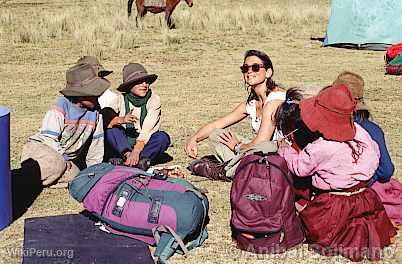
x=168, y=8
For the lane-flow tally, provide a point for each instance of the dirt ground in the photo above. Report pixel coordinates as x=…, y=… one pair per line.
x=199, y=80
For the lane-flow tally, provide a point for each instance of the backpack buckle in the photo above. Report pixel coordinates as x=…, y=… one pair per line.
x=263, y=160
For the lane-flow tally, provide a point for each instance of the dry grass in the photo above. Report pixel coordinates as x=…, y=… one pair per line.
x=199, y=80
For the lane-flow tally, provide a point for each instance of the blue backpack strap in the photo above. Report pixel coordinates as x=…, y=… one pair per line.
x=204, y=232
x=167, y=241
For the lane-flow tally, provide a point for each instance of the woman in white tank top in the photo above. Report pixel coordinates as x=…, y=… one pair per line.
x=263, y=100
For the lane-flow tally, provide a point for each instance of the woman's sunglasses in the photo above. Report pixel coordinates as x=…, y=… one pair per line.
x=254, y=67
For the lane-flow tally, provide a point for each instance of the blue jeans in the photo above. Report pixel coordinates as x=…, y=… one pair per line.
x=117, y=140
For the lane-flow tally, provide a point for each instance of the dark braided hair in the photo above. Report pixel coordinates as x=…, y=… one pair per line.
x=288, y=119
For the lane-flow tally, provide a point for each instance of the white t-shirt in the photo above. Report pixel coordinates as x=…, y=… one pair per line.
x=251, y=109
x=107, y=98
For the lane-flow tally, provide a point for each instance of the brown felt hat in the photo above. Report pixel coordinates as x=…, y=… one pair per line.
x=355, y=83
x=135, y=73
x=102, y=72
x=83, y=80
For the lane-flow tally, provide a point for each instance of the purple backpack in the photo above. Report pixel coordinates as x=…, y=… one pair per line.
x=264, y=218
x=167, y=212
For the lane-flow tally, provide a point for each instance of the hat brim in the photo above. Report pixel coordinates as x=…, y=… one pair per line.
x=104, y=73
x=362, y=106
x=310, y=90
x=95, y=88
x=149, y=78
x=329, y=124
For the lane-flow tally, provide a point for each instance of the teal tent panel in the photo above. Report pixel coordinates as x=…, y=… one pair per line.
x=362, y=22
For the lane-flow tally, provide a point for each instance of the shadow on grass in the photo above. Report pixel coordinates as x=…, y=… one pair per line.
x=161, y=159
x=26, y=187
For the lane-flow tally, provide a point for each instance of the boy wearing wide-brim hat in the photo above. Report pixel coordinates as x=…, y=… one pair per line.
x=108, y=96
x=71, y=131
x=133, y=134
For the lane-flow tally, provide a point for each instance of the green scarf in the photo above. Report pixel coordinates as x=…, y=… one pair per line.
x=137, y=101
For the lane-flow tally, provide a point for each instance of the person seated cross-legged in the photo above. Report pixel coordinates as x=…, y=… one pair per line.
x=133, y=120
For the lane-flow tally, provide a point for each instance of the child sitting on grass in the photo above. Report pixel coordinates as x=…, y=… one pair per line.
x=133, y=120
x=388, y=189
x=71, y=132
x=342, y=216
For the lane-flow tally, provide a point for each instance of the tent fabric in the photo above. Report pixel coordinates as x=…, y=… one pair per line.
x=367, y=24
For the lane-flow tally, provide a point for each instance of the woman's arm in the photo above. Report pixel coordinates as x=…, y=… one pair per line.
x=238, y=114
x=267, y=127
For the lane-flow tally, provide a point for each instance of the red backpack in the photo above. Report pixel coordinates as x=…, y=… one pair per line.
x=392, y=52
x=264, y=218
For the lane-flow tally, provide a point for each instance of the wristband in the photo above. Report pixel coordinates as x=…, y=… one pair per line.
x=236, y=148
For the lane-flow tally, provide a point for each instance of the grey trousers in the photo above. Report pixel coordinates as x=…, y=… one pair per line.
x=224, y=154
x=52, y=165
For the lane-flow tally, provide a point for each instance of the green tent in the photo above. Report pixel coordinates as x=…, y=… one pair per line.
x=365, y=24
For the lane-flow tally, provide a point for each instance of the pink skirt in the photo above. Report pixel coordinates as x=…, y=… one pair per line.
x=390, y=194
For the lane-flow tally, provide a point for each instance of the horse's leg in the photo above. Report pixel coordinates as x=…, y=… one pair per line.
x=168, y=19
x=140, y=16
x=129, y=6
x=169, y=11
x=168, y=15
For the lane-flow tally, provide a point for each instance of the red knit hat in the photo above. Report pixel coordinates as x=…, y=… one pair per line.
x=330, y=113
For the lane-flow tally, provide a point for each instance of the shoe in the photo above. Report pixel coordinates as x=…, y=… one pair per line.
x=116, y=161
x=209, y=168
x=143, y=164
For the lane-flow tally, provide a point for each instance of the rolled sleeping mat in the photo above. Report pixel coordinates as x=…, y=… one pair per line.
x=5, y=175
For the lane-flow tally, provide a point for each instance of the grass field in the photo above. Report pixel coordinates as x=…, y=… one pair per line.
x=199, y=80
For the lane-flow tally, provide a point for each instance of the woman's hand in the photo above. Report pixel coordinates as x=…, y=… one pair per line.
x=229, y=139
x=132, y=158
x=191, y=148
x=69, y=165
x=129, y=118
x=281, y=142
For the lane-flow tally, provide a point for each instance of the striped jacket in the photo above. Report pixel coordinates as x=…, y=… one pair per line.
x=68, y=128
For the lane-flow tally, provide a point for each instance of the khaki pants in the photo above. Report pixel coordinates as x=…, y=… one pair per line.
x=51, y=164
x=224, y=154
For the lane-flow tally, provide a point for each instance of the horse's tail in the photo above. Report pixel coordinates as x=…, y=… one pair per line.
x=129, y=6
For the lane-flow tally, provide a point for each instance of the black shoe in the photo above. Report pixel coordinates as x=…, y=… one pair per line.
x=116, y=161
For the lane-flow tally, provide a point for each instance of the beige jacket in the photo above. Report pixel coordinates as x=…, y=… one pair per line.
x=152, y=120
